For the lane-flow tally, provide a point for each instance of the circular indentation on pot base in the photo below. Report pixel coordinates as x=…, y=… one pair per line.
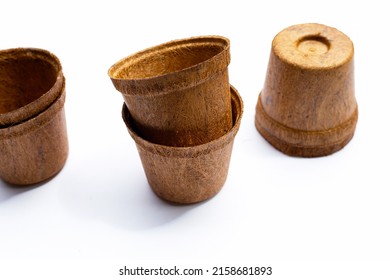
x=313, y=45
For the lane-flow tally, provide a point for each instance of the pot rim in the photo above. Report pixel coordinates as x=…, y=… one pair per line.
x=177, y=79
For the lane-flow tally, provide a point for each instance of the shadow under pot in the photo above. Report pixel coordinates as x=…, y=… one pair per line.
x=33, y=137
x=187, y=174
x=178, y=93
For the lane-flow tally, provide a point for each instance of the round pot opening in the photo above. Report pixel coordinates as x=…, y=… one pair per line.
x=24, y=78
x=169, y=58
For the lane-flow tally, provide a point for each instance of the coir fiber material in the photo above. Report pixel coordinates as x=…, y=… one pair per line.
x=187, y=174
x=307, y=107
x=33, y=138
x=178, y=93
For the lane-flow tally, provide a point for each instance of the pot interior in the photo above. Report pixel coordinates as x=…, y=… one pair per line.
x=23, y=79
x=166, y=59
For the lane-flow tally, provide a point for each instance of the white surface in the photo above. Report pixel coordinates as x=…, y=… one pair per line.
x=272, y=207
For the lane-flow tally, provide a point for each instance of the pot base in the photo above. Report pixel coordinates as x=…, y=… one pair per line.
x=300, y=143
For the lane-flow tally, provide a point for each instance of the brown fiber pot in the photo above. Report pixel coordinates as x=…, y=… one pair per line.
x=187, y=174
x=178, y=92
x=307, y=107
x=33, y=138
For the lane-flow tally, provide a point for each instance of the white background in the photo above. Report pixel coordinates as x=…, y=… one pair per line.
x=306, y=217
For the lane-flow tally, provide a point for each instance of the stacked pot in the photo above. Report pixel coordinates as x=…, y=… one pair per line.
x=182, y=114
x=33, y=137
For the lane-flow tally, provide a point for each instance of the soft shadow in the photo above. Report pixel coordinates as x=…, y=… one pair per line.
x=122, y=198
x=8, y=190
x=141, y=209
